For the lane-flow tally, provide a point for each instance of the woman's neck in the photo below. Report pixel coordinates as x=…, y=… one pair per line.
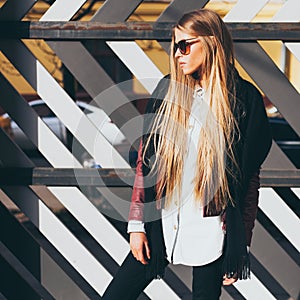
x=202, y=83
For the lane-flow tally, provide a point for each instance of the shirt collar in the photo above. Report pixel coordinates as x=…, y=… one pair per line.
x=199, y=92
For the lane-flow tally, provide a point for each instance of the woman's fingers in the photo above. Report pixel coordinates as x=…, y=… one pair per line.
x=141, y=257
x=228, y=281
x=139, y=246
x=147, y=249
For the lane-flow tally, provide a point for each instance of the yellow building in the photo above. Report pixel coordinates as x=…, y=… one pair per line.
x=146, y=11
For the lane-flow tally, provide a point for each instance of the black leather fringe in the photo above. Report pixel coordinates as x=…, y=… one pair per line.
x=156, y=268
x=236, y=268
x=158, y=262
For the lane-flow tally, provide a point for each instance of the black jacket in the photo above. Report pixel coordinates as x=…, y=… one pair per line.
x=251, y=148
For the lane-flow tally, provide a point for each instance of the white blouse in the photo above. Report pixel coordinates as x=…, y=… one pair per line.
x=190, y=238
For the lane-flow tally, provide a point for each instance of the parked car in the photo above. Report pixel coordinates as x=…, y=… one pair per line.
x=110, y=131
x=283, y=134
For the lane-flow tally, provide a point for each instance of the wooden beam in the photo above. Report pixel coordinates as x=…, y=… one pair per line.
x=115, y=177
x=124, y=31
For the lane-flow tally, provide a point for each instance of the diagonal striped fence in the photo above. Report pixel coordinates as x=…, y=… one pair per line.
x=63, y=232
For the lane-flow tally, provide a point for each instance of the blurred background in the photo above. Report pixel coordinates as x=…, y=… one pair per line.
x=66, y=240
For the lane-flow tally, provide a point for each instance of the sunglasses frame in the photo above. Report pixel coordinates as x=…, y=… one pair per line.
x=183, y=45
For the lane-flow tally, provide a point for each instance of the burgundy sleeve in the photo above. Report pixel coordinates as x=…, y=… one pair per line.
x=136, y=211
x=250, y=206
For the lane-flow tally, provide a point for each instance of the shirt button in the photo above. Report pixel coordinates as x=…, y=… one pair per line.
x=175, y=227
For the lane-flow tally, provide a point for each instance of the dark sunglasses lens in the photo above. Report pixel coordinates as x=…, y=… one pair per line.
x=182, y=47
x=175, y=47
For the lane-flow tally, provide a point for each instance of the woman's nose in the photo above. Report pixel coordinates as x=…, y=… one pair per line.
x=177, y=53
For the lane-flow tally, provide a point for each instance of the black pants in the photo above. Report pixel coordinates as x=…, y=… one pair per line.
x=130, y=281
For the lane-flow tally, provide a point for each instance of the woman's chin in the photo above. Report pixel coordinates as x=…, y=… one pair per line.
x=188, y=71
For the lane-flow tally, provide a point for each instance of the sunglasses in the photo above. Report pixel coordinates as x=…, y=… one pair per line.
x=184, y=45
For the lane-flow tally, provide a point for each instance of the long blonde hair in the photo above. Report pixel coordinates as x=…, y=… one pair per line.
x=215, y=143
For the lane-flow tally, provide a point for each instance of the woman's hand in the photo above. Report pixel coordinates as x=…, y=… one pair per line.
x=228, y=281
x=139, y=247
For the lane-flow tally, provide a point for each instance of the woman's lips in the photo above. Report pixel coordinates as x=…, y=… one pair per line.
x=181, y=64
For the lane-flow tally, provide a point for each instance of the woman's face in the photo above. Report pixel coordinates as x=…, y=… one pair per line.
x=191, y=62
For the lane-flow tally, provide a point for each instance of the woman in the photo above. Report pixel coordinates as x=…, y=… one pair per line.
x=206, y=135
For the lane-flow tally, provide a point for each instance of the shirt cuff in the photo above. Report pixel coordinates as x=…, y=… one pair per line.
x=135, y=226
x=248, y=249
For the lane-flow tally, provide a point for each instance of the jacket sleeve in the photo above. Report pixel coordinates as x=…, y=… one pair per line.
x=257, y=134
x=257, y=143
x=250, y=206
x=136, y=211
